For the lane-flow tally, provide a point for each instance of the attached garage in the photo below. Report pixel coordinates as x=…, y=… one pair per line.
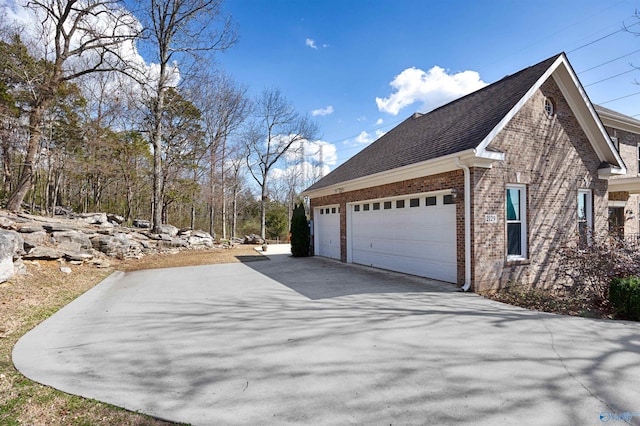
x=327, y=231
x=414, y=234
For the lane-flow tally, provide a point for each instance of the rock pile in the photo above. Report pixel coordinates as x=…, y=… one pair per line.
x=88, y=237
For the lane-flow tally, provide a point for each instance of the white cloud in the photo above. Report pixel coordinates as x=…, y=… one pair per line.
x=365, y=138
x=432, y=88
x=322, y=111
x=379, y=122
x=311, y=43
x=361, y=118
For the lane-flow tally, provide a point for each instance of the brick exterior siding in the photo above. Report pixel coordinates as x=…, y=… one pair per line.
x=552, y=157
x=628, y=149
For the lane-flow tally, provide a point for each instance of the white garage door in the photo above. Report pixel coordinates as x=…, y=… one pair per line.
x=415, y=235
x=327, y=231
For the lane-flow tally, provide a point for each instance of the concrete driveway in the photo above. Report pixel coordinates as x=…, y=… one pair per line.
x=313, y=341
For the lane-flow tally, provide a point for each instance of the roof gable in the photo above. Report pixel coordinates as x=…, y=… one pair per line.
x=469, y=124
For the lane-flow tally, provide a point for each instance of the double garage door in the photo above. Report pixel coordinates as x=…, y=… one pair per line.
x=414, y=235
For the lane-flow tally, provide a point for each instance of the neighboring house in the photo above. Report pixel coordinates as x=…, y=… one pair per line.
x=624, y=198
x=482, y=191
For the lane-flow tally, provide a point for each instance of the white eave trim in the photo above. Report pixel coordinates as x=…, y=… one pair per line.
x=616, y=121
x=583, y=110
x=609, y=172
x=627, y=184
x=436, y=166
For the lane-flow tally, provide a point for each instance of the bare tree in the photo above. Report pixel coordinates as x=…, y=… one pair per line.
x=224, y=106
x=79, y=38
x=179, y=31
x=276, y=128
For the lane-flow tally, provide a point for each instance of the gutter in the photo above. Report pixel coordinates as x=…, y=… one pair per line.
x=467, y=224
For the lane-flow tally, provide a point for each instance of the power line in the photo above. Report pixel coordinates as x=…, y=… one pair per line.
x=603, y=37
x=608, y=62
x=609, y=78
x=617, y=99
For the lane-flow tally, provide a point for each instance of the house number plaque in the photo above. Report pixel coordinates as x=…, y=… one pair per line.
x=490, y=218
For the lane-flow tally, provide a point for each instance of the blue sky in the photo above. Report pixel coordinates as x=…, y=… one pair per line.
x=336, y=57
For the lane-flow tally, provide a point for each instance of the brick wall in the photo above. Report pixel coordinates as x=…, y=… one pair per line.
x=553, y=158
x=628, y=148
x=437, y=182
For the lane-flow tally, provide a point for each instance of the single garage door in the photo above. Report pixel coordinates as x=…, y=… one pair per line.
x=327, y=231
x=414, y=235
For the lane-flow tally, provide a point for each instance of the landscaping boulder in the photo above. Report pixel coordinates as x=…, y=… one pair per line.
x=253, y=239
x=114, y=218
x=170, y=230
x=93, y=218
x=200, y=239
x=72, y=241
x=34, y=239
x=43, y=253
x=11, y=246
x=111, y=245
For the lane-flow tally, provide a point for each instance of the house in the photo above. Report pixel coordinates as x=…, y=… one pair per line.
x=484, y=190
x=624, y=191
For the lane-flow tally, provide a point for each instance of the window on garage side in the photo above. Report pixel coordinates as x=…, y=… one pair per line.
x=585, y=216
x=400, y=204
x=333, y=209
x=516, y=214
x=448, y=199
x=387, y=205
x=365, y=207
x=376, y=206
x=414, y=202
x=431, y=201
x=356, y=208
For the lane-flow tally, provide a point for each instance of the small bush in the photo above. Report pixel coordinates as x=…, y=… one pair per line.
x=624, y=294
x=300, y=235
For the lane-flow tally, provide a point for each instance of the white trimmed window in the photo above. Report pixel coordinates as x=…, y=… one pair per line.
x=638, y=156
x=585, y=213
x=516, y=214
x=549, y=107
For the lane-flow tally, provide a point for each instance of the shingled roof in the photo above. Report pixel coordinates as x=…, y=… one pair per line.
x=455, y=127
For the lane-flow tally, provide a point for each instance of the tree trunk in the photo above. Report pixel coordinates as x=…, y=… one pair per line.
x=234, y=214
x=223, y=207
x=157, y=162
x=263, y=208
x=26, y=173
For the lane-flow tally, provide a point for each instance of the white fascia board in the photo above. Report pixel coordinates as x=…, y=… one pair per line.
x=610, y=172
x=582, y=108
x=482, y=148
x=436, y=166
x=628, y=124
x=630, y=185
x=588, y=118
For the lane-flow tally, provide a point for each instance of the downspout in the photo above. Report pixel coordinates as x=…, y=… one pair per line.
x=467, y=224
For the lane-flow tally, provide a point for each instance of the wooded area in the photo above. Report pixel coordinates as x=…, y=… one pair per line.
x=86, y=125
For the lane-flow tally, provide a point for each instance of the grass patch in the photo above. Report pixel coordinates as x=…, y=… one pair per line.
x=27, y=300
